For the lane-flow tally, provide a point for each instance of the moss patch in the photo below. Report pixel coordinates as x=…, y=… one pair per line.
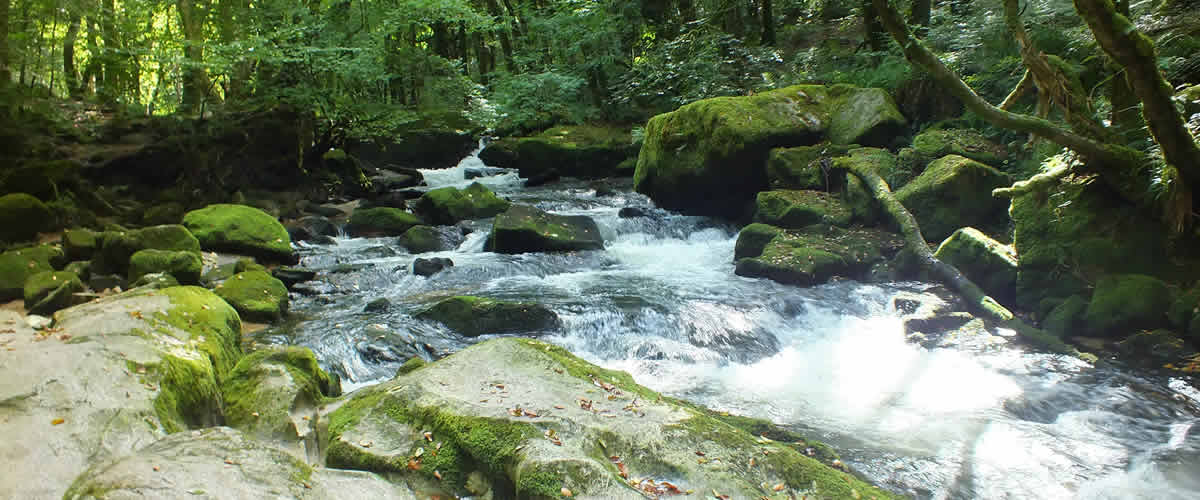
x=449, y=205
x=936, y=143
x=256, y=295
x=240, y=229
x=50, y=291
x=583, y=151
x=183, y=265
x=1124, y=303
x=474, y=316
x=794, y=209
x=22, y=217
x=955, y=192
x=818, y=253
x=381, y=221
x=251, y=402
x=16, y=266
x=523, y=228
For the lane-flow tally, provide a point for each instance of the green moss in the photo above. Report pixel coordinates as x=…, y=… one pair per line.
x=955, y=192
x=449, y=205
x=245, y=395
x=582, y=151
x=936, y=143
x=474, y=316
x=1185, y=307
x=16, y=266
x=578, y=368
x=243, y=265
x=753, y=239
x=379, y=221
x=863, y=206
x=50, y=291
x=256, y=295
x=1124, y=303
x=188, y=396
x=987, y=262
x=865, y=116
x=240, y=229
x=79, y=244
x=212, y=324
x=818, y=253
x=413, y=364
x=523, y=228
x=806, y=167
x=117, y=247
x=421, y=239
x=794, y=209
x=183, y=265
x=22, y=217
x=1066, y=318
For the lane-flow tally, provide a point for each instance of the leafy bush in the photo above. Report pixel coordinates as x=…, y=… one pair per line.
x=536, y=101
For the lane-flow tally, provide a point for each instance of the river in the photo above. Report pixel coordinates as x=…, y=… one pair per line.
x=989, y=420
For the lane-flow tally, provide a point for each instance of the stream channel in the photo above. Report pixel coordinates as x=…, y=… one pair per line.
x=973, y=420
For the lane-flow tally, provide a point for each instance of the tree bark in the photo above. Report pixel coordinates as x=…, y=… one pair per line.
x=195, y=77
x=768, y=23
x=949, y=275
x=872, y=29
x=70, y=72
x=1126, y=116
x=919, y=15
x=506, y=47
x=5, y=73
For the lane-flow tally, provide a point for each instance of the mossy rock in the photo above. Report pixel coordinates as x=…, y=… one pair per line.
x=22, y=217
x=1157, y=348
x=16, y=266
x=794, y=209
x=80, y=244
x=422, y=239
x=49, y=291
x=44, y=179
x=818, y=253
x=806, y=167
x=116, y=247
x=475, y=316
x=709, y=157
x=1125, y=303
x=1067, y=317
x=535, y=430
x=256, y=295
x=1185, y=307
x=863, y=206
x=164, y=213
x=240, y=229
x=449, y=205
x=990, y=264
x=155, y=280
x=273, y=394
x=753, y=239
x=184, y=266
x=1076, y=232
x=583, y=151
x=523, y=228
x=381, y=221
x=955, y=192
x=936, y=143
x=426, y=146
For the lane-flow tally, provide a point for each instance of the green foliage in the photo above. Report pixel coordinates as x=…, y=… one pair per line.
x=530, y=102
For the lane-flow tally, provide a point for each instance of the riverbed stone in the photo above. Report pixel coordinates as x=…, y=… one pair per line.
x=990, y=264
x=583, y=151
x=185, y=266
x=49, y=291
x=519, y=418
x=113, y=376
x=753, y=239
x=794, y=209
x=381, y=221
x=474, y=316
x=22, y=217
x=423, y=239
x=955, y=192
x=818, y=253
x=449, y=205
x=80, y=244
x=430, y=267
x=118, y=246
x=240, y=229
x=936, y=143
x=310, y=227
x=221, y=462
x=523, y=228
x=806, y=167
x=1067, y=318
x=256, y=295
x=709, y=157
x=1125, y=303
x=16, y=266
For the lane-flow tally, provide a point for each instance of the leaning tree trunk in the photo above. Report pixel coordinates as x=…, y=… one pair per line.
x=950, y=275
x=5, y=74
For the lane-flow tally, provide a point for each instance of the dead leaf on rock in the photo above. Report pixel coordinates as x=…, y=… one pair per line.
x=57, y=421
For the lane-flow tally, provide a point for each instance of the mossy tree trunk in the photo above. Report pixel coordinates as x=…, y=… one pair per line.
x=872, y=29
x=5, y=74
x=195, y=80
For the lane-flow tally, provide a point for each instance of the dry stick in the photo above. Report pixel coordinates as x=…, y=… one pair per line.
x=950, y=275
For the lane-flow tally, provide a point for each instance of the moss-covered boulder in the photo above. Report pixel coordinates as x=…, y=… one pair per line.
x=955, y=192
x=753, y=239
x=184, y=266
x=274, y=394
x=117, y=247
x=794, y=209
x=422, y=239
x=709, y=157
x=1066, y=318
x=806, y=167
x=818, y=253
x=475, y=316
x=49, y=291
x=22, y=217
x=1075, y=232
x=381, y=221
x=80, y=244
x=990, y=264
x=1185, y=310
x=240, y=229
x=583, y=151
x=523, y=228
x=146, y=362
x=16, y=266
x=449, y=205
x=936, y=143
x=223, y=463
x=170, y=212
x=863, y=206
x=256, y=295
x=427, y=146
x=547, y=423
x=1125, y=303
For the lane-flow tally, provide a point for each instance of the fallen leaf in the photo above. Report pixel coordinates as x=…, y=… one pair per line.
x=559, y=407
x=778, y=487
x=414, y=464
x=700, y=453
x=428, y=436
x=366, y=444
x=57, y=421
x=155, y=468
x=438, y=475
x=566, y=493
x=419, y=452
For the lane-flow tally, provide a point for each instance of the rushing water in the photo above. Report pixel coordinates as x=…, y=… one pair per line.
x=978, y=420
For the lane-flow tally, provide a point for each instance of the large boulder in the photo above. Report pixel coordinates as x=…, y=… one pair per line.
x=111, y=376
x=815, y=254
x=16, y=266
x=449, y=205
x=1126, y=303
x=864, y=208
x=49, y=291
x=184, y=266
x=311, y=227
x=936, y=143
x=256, y=295
x=794, y=209
x=475, y=316
x=22, y=217
x=381, y=221
x=805, y=167
x=709, y=157
x=274, y=395
x=584, y=151
x=523, y=228
x=80, y=244
x=223, y=463
x=421, y=239
x=117, y=247
x=240, y=229
x=432, y=147
x=990, y=264
x=519, y=418
x=955, y=192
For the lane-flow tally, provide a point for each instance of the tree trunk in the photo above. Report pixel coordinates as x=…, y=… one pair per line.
x=872, y=29
x=919, y=15
x=687, y=11
x=502, y=33
x=768, y=23
x=5, y=73
x=195, y=77
x=71, y=74
x=108, y=88
x=1126, y=115
x=233, y=19
x=93, y=72
x=974, y=296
